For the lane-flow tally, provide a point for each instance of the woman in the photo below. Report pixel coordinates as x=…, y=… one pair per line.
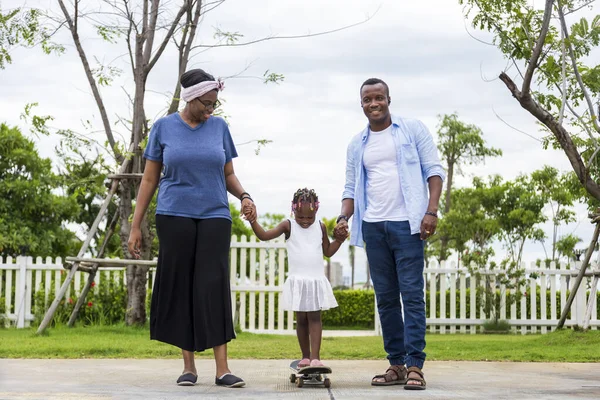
x=191, y=300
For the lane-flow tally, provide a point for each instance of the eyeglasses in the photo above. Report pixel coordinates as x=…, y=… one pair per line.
x=208, y=104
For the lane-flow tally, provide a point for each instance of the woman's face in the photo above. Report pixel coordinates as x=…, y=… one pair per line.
x=202, y=107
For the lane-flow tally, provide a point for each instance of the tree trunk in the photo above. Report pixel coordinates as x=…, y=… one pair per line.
x=444, y=239
x=368, y=283
x=136, y=274
x=352, y=249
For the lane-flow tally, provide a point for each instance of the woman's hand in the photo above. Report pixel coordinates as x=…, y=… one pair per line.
x=135, y=242
x=249, y=210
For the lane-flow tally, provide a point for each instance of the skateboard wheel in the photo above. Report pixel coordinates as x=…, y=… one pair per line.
x=300, y=382
x=327, y=383
x=292, y=378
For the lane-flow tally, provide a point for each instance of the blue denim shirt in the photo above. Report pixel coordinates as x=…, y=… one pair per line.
x=418, y=160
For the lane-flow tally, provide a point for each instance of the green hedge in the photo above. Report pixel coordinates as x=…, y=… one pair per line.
x=355, y=308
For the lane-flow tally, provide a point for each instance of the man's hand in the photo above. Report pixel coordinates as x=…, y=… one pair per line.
x=341, y=229
x=428, y=226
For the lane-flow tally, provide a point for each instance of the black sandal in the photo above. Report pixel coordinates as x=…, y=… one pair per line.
x=188, y=379
x=230, y=381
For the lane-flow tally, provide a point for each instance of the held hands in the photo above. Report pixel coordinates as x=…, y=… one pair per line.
x=249, y=210
x=135, y=242
x=340, y=232
x=428, y=226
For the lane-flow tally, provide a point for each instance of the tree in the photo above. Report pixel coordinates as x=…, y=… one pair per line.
x=469, y=226
x=555, y=56
x=145, y=31
x=565, y=246
x=352, y=258
x=270, y=221
x=330, y=224
x=555, y=190
x=32, y=213
x=20, y=27
x=238, y=227
x=518, y=212
x=488, y=211
x=459, y=144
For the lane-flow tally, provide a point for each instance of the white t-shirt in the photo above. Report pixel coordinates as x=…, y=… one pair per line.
x=385, y=201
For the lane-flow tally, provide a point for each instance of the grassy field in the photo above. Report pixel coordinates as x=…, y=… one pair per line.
x=126, y=342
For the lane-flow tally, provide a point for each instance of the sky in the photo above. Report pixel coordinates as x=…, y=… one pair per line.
x=425, y=51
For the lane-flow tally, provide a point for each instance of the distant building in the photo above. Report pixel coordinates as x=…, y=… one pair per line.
x=337, y=274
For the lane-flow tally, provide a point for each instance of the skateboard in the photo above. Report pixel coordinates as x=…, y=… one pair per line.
x=314, y=376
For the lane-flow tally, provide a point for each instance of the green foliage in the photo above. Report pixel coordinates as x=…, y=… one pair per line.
x=270, y=221
x=558, y=196
x=105, y=74
x=460, y=143
x=565, y=246
x=38, y=123
x=21, y=27
x=355, y=308
x=3, y=319
x=105, y=304
x=238, y=226
x=32, y=214
x=272, y=77
x=494, y=326
x=566, y=76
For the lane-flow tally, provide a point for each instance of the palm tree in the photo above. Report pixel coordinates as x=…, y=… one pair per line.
x=330, y=224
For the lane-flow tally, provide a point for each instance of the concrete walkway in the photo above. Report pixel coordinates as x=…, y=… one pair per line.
x=269, y=379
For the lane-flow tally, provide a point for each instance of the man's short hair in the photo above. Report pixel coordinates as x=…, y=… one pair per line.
x=375, y=81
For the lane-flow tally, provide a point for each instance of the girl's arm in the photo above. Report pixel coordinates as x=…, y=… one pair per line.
x=282, y=228
x=329, y=248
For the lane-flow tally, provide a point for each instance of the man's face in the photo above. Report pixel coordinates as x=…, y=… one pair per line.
x=374, y=100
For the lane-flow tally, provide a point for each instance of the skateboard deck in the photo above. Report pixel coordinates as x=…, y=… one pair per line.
x=309, y=375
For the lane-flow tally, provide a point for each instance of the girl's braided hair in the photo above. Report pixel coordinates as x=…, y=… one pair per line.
x=307, y=196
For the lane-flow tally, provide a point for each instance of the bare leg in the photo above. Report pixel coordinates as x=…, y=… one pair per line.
x=221, y=360
x=315, y=328
x=303, y=333
x=188, y=362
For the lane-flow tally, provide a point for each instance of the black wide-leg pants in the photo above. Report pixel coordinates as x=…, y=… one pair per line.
x=191, y=298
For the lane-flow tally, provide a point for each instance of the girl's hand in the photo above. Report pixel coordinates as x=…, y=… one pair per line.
x=135, y=242
x=249, y=210
x=340, y=235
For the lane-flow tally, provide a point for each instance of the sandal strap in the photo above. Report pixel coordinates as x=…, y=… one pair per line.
x=417, y=371
x=398, y=370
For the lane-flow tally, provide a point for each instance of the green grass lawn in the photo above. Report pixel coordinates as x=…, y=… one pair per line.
x=126, y=342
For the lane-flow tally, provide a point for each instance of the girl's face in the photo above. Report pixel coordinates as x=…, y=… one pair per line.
x=304, y=216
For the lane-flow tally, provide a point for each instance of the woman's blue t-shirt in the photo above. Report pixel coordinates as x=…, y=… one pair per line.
x=193, y=181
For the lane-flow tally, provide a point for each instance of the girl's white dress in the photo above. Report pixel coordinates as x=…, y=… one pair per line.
x=306, y=288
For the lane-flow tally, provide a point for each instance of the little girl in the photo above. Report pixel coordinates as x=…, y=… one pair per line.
x=306, y=291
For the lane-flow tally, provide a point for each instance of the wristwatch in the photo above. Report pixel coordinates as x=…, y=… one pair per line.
x=342, y=216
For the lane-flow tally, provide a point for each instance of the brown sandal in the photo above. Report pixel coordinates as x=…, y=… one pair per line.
x=394, y=375
x=422, y=385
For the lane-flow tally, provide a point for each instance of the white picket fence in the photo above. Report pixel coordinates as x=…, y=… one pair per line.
x=258, y=274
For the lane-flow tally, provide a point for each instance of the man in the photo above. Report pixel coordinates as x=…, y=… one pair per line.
x=390, y=166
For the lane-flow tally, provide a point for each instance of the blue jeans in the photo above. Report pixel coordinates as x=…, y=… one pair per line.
x=396, y=261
